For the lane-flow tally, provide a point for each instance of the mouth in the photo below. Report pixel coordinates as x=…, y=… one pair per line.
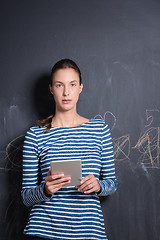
x=66, y=101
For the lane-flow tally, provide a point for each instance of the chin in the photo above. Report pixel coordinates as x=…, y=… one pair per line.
x=65, y=109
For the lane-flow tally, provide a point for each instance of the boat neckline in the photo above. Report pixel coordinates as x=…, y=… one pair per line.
x=74, y=126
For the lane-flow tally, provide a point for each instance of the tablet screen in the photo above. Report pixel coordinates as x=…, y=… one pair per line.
x=71, y=168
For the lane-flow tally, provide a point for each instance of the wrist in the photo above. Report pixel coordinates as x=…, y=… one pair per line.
x=46, y=192
x=99, y=189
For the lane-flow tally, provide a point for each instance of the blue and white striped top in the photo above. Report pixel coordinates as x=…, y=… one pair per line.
x=68, y=214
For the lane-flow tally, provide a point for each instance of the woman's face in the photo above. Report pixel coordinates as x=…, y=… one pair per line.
x=66, y=89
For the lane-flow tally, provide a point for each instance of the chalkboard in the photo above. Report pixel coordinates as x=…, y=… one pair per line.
x=116, y=45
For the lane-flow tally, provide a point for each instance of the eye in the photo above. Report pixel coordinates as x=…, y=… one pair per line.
x=73, y=84
x=58, y=85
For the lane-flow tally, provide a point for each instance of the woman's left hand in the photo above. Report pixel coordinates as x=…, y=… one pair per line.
x=89, y=184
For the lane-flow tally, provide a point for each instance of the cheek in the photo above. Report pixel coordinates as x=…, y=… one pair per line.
x=57, y=91
x=76, y=95
x=56, y=95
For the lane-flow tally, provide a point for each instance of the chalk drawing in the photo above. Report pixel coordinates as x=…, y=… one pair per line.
x=109, y=118
x=121, y=148
x=14, y=152
x=149, y=147
x=150, y=117
x=125, y=67
x=148, y=144
x=121, y=145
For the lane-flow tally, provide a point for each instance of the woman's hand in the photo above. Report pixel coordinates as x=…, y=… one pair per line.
x=53, y=182
x=89, y=184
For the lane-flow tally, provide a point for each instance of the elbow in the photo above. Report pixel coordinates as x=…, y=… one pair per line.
x=25, y=199
x=113, y=186
x=108, y=186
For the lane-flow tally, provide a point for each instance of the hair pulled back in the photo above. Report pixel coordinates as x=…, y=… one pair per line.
x=62, y=64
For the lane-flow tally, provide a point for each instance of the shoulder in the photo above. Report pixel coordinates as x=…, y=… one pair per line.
x=98, y=123
x=35, y=130
x=100, y=126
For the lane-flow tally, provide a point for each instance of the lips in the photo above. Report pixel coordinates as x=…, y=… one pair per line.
x=66, y=101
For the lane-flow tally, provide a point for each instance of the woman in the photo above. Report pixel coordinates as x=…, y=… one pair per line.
x=60, y=211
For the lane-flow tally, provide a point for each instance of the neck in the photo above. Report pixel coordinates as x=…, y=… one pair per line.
x=65, y=119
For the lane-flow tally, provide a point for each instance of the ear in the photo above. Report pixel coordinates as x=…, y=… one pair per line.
x=80, y=88
x=50, y=87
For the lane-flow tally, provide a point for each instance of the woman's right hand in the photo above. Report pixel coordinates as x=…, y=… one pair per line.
x=54, y=182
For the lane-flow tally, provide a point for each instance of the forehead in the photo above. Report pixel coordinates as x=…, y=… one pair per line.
x=67, y=74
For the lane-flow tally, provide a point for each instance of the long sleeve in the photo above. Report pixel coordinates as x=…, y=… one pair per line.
x=68, y=213
x=31, y=193
x=108, y=183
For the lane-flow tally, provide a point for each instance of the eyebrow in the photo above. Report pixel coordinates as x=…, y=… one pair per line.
x=62, y=82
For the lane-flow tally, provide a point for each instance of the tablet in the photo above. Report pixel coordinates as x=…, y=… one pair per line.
x=71, y=168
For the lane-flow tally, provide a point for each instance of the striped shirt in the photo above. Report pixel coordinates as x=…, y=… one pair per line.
x=67, y=214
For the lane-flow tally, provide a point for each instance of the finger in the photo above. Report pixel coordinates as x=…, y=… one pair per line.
x=88, y=177
x=54, y=188
x=65, y=183
x=86, y=184
x=92, y=190
x=89, y=184
x=49, y=172
x=62, y=180
x=96, y=188
x=59, y=180
x=54, y=176
x=60, y=185
x=87, y=187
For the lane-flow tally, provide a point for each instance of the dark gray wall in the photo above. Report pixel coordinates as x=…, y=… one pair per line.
x=117, y=46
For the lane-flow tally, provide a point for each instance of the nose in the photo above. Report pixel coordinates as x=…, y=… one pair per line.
x=66, y=91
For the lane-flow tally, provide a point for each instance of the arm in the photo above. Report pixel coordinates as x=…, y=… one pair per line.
x=108, y=184
x=31, y=193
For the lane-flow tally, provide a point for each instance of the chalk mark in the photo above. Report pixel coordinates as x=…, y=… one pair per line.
x=108, y=115
x=121, y=145
x=14, y=152
x=149, y=147
x=150, y=117
x=121, y=148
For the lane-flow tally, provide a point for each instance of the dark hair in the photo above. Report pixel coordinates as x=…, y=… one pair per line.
x=62, y=64
x=65, y=63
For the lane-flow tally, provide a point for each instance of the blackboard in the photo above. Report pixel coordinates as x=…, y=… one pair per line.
x=116, y=45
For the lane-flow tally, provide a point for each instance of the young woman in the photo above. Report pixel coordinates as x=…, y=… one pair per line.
x=60, y=211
